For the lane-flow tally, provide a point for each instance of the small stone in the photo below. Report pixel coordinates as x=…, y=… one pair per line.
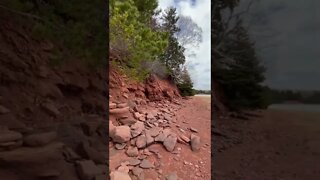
x=125, y=95
x=118, y=175
x=172, y=176
x=137, y=171
x=112, y=105
x=170, y=142
x=142, y=118
x=120, y=146
x=40, y=139
x=185, y=138
x=150, y=139
x=133, y=142
x=119, y=111
x=87, y=170
x=142, y=157
x=141, y=141
x=146, y=164
x=166, y=132
x=175, y=152
x=193, y=129
x=123, y=168
x=159, y=156
x=121, y=134
x=160, y=138
x=112, y=129
x=195, y=142
x=134, y=162
x=132, y=151
x=136, y=115
x=124, y=163
x=150, y=116
x=154, y=150
x=155, y=131
x=122, y=105
x=127, y=121
x=147, y=152
x=137, y=128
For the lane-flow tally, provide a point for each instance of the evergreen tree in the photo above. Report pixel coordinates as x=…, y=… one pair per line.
x=240, y=78
x=173, y=57
x=132, y=38
x=185, y=84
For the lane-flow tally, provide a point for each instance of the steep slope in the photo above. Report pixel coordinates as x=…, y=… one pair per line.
x=52, y=118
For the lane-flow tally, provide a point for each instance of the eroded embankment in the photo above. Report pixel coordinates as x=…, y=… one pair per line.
x=152, y=130
x=52, y=118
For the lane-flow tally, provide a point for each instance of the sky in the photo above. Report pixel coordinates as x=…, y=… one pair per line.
x=199, y=66
x=287, y=36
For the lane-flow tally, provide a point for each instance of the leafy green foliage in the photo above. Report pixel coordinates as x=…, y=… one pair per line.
x=131, y=38
x=79, y=26
x=147, y=10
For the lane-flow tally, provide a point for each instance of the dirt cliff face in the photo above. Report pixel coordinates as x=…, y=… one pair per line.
x=28, y=81
x=153, y=89
x=52, y=117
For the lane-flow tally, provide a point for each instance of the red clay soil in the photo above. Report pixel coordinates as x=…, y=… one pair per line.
x=279, y=145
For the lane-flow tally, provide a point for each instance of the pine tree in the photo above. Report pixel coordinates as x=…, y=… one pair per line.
x=240, y=78
x=185, y=84
x=173, y=57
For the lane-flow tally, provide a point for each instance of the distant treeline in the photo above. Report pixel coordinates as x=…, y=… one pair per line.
x=202, y=91
x=294, y=96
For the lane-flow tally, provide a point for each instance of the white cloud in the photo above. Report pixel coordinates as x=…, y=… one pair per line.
x=200, y=14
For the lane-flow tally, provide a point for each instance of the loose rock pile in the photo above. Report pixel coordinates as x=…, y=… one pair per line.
x=147, y=126
x=50, y=154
